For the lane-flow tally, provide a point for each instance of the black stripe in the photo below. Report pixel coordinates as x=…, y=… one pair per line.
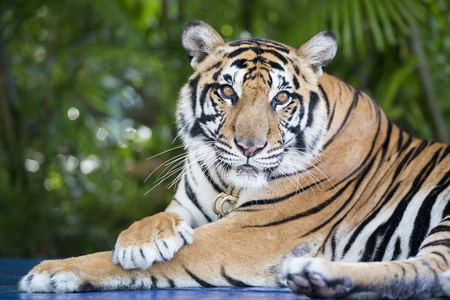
x=397, y=249
x=142, y=253
x=356, y=95
x=383, y=234
x=444, y=242
x=203, y=96
x=237, y=52
x=160, y=254
x=313, y=100
x=154, y=282
x=296, y=83
x=275, y=65
x=260, y=42
x=441, y=255
x=444, y=155
x=371, y=150
x=280, y=199
x=387, y=140
x=240, y=63
x=333, y=248
x=133, y=259
x=88, y=287
x=440, y=228
x=171, y=283
x=446, y=212
x=277, y=55
x=330, y=118
x=311, y=211
x=193, y=197
x=208, y=176
x=423, y=216
x=232, y=281
x=400, y=139
x=201, y=282
x=408, y=142
x=325, y=98
x=388, y=194
x=350, y=198
x=423, y=145
x=193, y=83
x=403, y=163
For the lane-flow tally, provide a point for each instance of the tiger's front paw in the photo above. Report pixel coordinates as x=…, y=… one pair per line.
x=311, y=277
x=152, y=239
x=50, y=276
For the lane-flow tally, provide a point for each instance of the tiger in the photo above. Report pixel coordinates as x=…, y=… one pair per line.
x=292, y=178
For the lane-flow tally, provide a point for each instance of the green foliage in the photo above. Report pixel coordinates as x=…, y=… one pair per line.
x=91, y=86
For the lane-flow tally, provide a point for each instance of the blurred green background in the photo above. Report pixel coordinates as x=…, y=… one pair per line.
x=88, y=92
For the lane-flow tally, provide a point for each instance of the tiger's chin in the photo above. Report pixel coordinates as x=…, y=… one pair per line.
x=246, y=178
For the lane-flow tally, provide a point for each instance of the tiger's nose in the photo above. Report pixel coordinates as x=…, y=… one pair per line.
x=250, y=148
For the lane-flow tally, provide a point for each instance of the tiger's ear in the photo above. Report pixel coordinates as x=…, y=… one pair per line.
x=319, y=50
x=199, y=39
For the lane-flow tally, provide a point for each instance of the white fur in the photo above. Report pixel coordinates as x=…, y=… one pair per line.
x=200, y=39
x=208, y=38
x=445, y=282
x=302, y=265
x=320, y=48
x=65, y=282
x=35, y=283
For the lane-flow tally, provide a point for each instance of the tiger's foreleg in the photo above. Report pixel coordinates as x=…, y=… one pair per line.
x=423, y=275
x=221, y=255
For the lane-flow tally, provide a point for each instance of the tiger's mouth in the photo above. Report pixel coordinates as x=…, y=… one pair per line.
x=247, y=170
x=246, y=177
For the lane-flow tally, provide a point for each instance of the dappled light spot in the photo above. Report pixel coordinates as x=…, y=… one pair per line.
x=73, y=113
x=116, y=185
x=90, y=164
x=31, y=165
x=144, y=133
x=102, y=133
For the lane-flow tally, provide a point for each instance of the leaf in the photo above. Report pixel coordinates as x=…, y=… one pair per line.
x=417, y=9
x=346, y=30
x=385, y=21
x=374, y=26
x=358, y=26
x=387, y=94
x=396, y=17
x=402, y=9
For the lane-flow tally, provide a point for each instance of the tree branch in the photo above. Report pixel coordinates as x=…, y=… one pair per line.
x=427, y=86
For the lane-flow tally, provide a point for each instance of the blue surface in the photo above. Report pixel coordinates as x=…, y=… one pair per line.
x=11, y=270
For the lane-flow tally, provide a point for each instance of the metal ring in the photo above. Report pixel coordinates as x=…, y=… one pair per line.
x=232, y=201
x=220, y=196
x=231, y=195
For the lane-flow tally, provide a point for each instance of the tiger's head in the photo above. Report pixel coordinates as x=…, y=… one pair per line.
x=253, y=110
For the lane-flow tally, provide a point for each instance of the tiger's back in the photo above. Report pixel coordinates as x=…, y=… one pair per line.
x=289, y=171
x=394, y=188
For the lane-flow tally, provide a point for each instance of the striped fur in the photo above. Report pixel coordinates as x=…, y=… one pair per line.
x=334, y=201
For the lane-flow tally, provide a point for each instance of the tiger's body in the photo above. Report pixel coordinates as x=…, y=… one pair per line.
x=334, y=199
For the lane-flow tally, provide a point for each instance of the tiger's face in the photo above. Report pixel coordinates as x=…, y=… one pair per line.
x=252, y=111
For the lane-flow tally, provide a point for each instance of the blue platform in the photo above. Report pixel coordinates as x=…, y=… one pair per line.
x=11, y=270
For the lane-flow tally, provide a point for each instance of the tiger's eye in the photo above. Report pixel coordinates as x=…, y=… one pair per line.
x=228, y=91
x=282, y=96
